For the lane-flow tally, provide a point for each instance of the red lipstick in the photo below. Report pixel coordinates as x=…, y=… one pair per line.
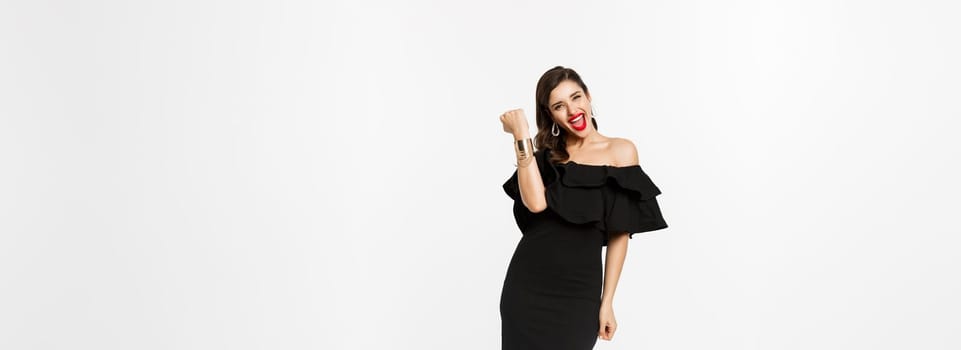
x=578, y=121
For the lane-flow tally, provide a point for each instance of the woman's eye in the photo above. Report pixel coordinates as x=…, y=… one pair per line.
x=575, y=97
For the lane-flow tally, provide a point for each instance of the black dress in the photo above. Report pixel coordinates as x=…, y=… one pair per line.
x=551, y=296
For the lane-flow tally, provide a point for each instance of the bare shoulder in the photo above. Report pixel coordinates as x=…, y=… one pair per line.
x=625, y=153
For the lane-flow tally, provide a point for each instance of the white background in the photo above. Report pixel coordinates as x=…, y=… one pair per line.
x=326, y=175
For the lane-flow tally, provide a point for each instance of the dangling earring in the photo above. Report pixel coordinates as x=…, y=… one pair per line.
x=555, y=131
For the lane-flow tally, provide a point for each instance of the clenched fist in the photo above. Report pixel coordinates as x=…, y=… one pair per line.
x=515, y=123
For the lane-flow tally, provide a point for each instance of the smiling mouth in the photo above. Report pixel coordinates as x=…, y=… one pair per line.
x=578, y=121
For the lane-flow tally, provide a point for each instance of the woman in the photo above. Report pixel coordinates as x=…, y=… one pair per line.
x=578, y=192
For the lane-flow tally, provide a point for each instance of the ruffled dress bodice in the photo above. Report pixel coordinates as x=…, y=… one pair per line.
x=610, y=198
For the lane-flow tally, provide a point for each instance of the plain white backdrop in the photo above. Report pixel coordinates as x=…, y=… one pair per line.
x=327, y=175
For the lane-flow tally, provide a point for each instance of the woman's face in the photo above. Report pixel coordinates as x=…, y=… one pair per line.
x=570, y=108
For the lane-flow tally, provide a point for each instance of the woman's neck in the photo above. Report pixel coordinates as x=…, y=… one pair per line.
x=576, y=143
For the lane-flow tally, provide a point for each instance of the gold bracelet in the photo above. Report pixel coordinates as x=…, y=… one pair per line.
x=525, y=152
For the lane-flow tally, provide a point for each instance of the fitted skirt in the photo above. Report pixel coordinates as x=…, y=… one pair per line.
x=552, y=290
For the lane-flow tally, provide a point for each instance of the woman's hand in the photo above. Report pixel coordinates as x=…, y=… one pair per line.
x=515, y=123
x=608, y=323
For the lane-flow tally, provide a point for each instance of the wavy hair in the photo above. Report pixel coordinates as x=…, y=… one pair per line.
x=556, y=145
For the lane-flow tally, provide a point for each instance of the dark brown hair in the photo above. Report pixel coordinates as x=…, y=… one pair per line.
x=556, y=145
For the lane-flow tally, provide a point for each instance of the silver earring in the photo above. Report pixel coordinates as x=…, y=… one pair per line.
x=555, y=131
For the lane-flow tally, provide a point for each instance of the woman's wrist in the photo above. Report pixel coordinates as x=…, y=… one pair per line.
x=524, y=150
x=521, y=134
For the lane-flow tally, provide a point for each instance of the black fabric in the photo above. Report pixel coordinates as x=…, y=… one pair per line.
x=614, y=199
x=552, y=290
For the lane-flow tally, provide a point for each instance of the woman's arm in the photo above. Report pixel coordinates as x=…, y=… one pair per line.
x=528, y=175
x=625, y=154
x=614, y=262
x=616, y=251
x=530, y=183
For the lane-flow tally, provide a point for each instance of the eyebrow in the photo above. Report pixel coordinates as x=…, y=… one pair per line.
x=572, y=95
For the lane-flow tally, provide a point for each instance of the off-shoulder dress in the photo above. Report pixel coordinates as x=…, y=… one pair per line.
x=551, y=295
